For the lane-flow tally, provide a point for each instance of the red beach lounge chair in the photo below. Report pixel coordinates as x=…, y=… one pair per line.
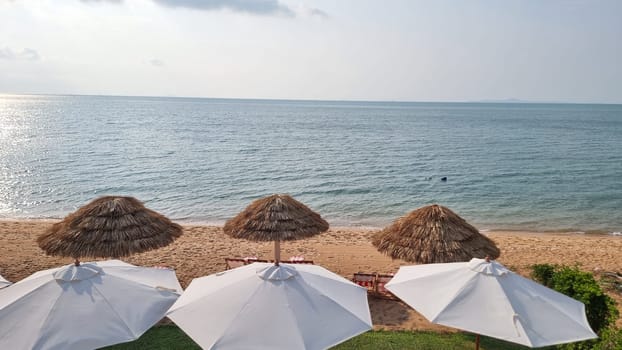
x=232, y=263
x=365, y=280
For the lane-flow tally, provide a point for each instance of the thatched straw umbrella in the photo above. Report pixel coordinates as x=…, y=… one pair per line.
x=434, y=234
x=109, y=227
x=278, y=217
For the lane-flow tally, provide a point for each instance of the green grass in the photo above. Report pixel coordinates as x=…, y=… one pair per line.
x=172, y=338
x=159, y=338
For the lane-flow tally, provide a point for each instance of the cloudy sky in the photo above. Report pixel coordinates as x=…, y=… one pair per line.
x=405, y=50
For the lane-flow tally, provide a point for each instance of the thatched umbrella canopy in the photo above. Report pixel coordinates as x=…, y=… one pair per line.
x=278, y=217
x=434, y=234
x=109, y=227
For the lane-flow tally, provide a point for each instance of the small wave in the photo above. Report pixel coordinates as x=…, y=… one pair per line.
x=369, y=164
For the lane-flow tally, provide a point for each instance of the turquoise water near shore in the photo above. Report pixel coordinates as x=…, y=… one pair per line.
x=541, y=167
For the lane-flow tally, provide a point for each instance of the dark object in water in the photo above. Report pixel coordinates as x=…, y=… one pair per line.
x=444, y=178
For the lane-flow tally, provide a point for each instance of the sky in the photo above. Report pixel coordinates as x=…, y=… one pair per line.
x=392, y=50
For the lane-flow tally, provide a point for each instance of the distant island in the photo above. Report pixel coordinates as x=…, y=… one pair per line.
x=507, y=100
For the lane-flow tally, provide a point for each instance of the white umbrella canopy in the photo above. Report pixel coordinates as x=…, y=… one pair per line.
x=85, y=307
x=486, y=298
x=268, y=306
x=4, y=282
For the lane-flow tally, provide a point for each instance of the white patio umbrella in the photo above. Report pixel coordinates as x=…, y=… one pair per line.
x=85, y=307
x=268, y=306
x=486, y=298
x=3, y=282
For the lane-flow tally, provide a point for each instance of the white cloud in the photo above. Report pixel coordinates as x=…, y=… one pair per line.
x=258, y=7
x=156, y=62
x=114, y=1
x=318, y=13
x=27, y=54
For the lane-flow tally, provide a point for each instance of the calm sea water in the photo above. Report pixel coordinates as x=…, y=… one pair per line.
x=551, y=167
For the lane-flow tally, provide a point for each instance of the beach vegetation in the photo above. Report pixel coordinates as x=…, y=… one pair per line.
x=610, y=339
x=600, y=308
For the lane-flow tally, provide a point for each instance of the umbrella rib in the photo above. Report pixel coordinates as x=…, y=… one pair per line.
x=114, y=310
x=569, y=317
x=562, y=311
x=112, y=275
x=522, y=326
x=347, y=310
x=207, y=295
x=44, y=323
x=242, y=307
x=333, y=301
x=453, y=298
x=516, y=324
x=27, y=294
x=293, y=316
x=308, y=288
x=504, y=296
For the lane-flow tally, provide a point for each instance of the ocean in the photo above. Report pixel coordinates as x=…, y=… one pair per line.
x=508, y=166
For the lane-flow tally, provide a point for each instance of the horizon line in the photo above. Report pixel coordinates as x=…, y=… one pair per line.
x=480, y=101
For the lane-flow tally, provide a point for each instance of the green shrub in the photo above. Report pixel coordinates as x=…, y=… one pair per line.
x=610, y=339
x=600, y=308
x=543, y=273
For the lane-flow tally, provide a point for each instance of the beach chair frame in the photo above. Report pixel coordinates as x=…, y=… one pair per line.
x=374, y=283
x=232, y=263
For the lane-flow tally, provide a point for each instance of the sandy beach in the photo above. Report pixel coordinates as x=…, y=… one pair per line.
x=202, y=250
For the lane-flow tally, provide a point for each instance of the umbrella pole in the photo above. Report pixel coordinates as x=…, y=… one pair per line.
x=477, y=342
x=277, y=252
